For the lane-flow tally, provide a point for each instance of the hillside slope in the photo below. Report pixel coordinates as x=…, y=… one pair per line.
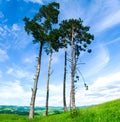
x=106, y=112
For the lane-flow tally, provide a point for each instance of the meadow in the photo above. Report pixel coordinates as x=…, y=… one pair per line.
x=106, y=112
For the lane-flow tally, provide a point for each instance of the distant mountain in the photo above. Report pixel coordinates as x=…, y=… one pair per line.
x=24, y=110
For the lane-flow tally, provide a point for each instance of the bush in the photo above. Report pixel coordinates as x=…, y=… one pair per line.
x=74, y=113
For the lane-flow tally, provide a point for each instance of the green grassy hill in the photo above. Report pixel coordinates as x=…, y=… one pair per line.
x=106, y=112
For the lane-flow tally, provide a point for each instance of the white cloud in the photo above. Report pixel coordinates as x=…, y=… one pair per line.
x=40, y=100
x=55, y=89
x=34, y=1
x=19, y=73
x=104, y=89
x=55, y=95
x=3, y=55
x=13, y=94
x=111, y=79
x=7, y=91
x=15, y=27
x=56, y=98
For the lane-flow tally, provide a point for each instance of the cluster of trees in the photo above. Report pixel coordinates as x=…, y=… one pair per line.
x=70, y=33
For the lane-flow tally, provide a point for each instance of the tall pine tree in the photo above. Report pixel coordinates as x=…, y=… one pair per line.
x=78, y=37
x=39, y=28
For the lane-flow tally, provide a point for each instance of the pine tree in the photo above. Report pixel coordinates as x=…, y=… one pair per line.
x=39, y=28
x=78, y=37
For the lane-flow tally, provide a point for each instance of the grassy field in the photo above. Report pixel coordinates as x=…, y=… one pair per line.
x=106, y=112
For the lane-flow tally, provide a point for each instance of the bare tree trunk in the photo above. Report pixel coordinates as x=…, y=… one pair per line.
x=48, y=79
x=70, y=101
x=34, y=89
x=72, y=70
x=64, y=81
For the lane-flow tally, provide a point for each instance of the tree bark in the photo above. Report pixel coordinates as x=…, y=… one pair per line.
x=64, y=81
x=70, y=101
x=34, y=89
x=72, y=70
x=48, y=79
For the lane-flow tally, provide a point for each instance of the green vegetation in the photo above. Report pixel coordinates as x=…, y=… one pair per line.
x=107, y=112
x=24, y=110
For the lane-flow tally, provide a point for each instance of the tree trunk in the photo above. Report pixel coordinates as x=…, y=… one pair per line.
x=70, y=101
x=48, y=79
x=34, y=89
x=72, y=70
x=64, y=81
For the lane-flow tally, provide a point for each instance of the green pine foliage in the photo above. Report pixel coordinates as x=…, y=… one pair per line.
x=106, y=112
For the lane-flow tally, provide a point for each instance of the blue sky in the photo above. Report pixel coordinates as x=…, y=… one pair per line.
x=18, y=54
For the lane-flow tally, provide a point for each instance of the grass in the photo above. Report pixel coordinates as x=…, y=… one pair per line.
x=106, y=112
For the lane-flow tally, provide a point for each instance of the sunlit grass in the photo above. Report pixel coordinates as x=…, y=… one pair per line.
x=107, y=112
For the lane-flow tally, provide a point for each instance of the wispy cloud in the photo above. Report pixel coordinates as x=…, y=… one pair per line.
x=109, y=21
x=107, y=15
x=15, y=36
x=98, y=61
x=9, y=71
x=4, y=31
x=34, y=1
x=3, y=55
x=70, y=9
x=112, y=41
x=15, y=27
x=19, y=73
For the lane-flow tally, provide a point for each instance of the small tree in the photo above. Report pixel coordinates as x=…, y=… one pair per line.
x=78, y=38
x=39, y=27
